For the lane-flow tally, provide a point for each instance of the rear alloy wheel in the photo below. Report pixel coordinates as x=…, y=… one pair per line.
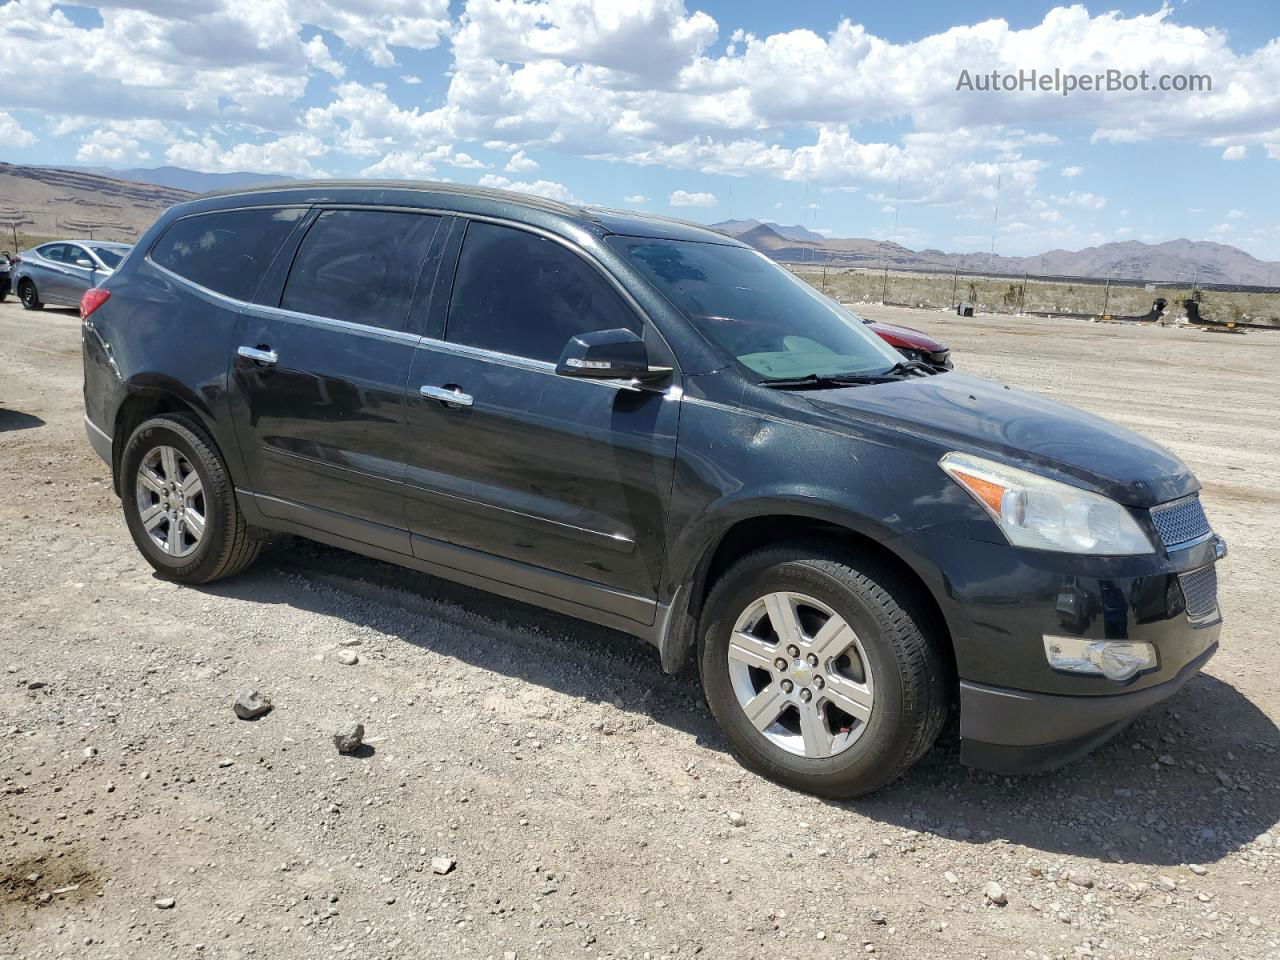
x=822, y=667
x=29, y=297
x=171, y=504
x=180, y=504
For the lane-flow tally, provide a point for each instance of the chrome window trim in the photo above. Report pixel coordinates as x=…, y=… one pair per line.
x=200, y=288
x=511, y=360
x=350, y=326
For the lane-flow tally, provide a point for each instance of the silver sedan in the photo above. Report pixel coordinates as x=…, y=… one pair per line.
x=58, y=273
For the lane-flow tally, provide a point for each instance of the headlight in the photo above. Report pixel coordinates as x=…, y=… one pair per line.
x=1043, y=514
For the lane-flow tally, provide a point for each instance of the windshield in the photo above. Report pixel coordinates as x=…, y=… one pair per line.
x=110, y=256
x=772, y=323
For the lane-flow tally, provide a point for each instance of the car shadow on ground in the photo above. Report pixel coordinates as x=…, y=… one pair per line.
x=17, y=420
x=1187, y=783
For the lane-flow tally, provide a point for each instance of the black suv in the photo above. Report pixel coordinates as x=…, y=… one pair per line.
x=653, y=427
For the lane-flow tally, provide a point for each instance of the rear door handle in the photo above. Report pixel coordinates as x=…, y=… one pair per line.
x=261, y=356
x=450, y=395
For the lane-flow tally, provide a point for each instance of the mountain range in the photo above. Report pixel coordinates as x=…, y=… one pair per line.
x=180, y=178
x=120, y=204
x=1183, y=260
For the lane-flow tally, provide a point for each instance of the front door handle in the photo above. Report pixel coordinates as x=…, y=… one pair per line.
x=450, y=395
x=261, y=356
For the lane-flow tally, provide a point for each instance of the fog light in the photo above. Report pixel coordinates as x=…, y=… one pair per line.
x=1113, y=659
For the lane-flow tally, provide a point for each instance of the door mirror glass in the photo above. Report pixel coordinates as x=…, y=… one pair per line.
x=608, y=355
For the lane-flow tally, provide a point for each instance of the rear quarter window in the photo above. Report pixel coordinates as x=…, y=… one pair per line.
x=227, y=252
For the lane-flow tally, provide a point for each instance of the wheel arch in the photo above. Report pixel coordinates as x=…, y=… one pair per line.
x=148, y=397
x=743, y=534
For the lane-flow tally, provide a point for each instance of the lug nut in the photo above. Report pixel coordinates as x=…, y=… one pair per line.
x=787, y=686
x=780, y=663
x=793, y=650
x=813, y=659
x=805, y=695
x=819, y=682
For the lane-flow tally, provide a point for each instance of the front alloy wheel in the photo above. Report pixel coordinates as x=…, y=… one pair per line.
x=824, y=666
x=801, y=675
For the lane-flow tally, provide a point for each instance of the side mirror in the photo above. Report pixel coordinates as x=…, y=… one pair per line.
x=608, y=355
x=87, y=264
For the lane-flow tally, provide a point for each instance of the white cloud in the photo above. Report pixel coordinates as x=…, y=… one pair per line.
x=12, y=133
x=419, y=164
x=539, y=188
x=1221, y=229
x=1237, y=152
x=1071, y=171
x=635, y=198
x=1089, y=200
x=683, y=198
x=110, y=148
x=521, y=162
x=291, y=155
x=318, y=56
x=1236, y=214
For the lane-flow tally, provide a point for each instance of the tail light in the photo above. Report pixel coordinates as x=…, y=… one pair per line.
x=92, y=300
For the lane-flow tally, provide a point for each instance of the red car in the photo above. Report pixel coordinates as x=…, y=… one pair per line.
x=913, y=344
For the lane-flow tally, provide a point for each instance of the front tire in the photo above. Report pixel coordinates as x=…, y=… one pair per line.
x=29, y=296
x=821, y=667
x=180, y=504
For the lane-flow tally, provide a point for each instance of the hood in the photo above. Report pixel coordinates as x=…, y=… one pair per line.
x=972, y=415
x=906, y=337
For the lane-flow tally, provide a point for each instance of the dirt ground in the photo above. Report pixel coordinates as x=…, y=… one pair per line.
x=583, y=795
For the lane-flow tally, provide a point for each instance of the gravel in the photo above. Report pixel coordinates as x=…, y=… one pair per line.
x=249, y=704
x=612, y=830
x=349, y=737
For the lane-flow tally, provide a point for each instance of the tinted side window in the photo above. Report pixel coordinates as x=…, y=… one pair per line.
x=360, y=265
x=226, y=252
x=53, y=251
x=519, y=293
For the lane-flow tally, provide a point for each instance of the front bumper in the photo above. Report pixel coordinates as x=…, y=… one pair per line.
x=1019, y=731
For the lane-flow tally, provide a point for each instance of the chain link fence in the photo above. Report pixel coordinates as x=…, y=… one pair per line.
x=1046, y=295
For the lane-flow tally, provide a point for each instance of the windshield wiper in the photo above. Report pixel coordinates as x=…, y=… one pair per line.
x=903, y=367
x=822, y=381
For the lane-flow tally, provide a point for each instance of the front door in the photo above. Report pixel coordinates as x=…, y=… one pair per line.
x=321, y=377
x=557, y=484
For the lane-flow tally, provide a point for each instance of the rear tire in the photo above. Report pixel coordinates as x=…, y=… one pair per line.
x=180, y=504
x=29, y=296
x=891, y=674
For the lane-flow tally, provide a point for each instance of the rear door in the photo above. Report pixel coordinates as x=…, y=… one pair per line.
x=48, y=272
x=554, y=484
x=320, y=369
x=78, y=278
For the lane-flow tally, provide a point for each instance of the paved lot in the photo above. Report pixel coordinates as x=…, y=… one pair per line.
x=583, y=794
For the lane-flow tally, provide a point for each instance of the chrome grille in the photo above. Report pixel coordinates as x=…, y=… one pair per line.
x=1180, y=521
x=1200, y=591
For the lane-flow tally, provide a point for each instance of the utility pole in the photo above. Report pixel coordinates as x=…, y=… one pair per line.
x=1022, y=294
x=955, y=280
x=995, y=220
x=1106, y=297
x=893, y=238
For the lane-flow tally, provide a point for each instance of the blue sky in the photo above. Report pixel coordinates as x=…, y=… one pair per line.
x=842, y=116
